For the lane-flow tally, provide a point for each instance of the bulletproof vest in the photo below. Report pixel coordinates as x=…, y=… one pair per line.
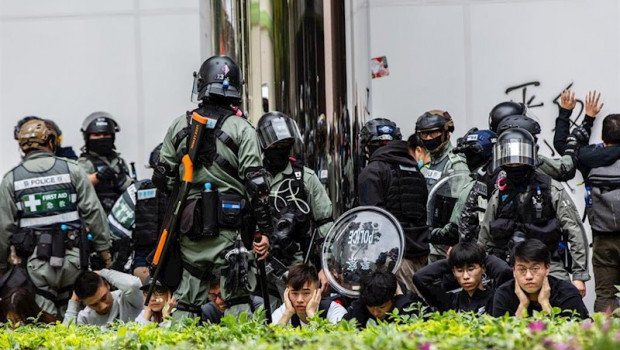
x=291, y=195
x=604, y=196
x=324, y=305
x=405, y=198
x=106, y=190
x=438, y=170
x=45, y=199
x=533, y=214
x=149, y=212
x=208, y=155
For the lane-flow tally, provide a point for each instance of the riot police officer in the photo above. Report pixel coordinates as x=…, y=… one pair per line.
x=300, y=201
x=434, y=129
x=529, y=204
x=47, y=200
x=230, y=180
x=392, y=181
x=106, y=170
x=135, y=221
x=477, y=146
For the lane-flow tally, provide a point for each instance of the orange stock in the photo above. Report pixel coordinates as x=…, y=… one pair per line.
x=160, y=247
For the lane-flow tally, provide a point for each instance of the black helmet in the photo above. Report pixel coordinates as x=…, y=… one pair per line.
x=276, y=127
x=503, y=110
x=435, y=119
x=99, y=123
x=379, y=131
x=519, y=121
x=218, y=76
x=154, y=156
x=515, y=146
x=477, y=146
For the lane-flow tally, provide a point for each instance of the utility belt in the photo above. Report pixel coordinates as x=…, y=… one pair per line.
x=203, y=217
x=50, y=243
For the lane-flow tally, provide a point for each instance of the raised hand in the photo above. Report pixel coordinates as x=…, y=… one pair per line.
x=567, y=100
x=592, y=103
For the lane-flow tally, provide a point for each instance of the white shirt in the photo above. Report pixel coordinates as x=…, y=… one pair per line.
x=335, y=313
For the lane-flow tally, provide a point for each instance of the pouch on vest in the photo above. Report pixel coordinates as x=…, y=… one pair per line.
x=230, y=210
x=57, y=259
x=24, y=241
x=443, y=210
x=191, y=220
x=502, y=230
x=209, y=204
x=44, y=246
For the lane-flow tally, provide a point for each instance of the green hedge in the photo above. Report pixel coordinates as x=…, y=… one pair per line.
x=432, y=331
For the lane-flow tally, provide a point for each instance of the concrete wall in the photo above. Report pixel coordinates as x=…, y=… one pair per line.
x=64, y=59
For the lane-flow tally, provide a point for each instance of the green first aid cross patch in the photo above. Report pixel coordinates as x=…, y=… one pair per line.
x=46, y=202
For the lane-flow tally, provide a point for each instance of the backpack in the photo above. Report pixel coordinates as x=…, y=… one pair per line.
x=603, y=184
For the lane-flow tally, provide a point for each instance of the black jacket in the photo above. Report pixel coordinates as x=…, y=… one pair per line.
x=436, y=283
x=589, y=156
x=563, y=295
x=359, y=311
x=392, y=181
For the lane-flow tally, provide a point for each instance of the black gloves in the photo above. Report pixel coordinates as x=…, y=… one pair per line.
x=107, y=174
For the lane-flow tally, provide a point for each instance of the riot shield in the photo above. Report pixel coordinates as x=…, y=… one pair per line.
x=443, y=197
x=362, y=240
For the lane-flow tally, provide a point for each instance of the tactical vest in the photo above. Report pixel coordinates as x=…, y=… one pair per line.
x=45, y=199
x=149, y=212
x=106, y=190
x=534, y=215
x=207, y=155
x=291, y=194
x=437, y=171
x=404, y=199
x=604, y=211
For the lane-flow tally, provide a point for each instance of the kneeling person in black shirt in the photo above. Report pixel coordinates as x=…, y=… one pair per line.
x=532, y=288
x=469, y=264
x=380, y=294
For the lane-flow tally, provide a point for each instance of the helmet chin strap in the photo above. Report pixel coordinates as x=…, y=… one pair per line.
x=444, y=141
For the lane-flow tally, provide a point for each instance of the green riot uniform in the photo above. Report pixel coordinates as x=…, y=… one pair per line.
x=310, y=206
x=562, y=210
x=238, y=153
x=560, y=169
x=39, y=195
x=107, y=191
x=443, y=164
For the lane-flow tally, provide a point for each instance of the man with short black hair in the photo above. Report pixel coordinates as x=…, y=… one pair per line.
x=599, y=165
x=380, y=294
x=477, y=274
x=533, y=289
x=102, y=305
x=302, y=299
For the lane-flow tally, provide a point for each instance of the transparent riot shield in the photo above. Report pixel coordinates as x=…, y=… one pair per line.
x=362, y=240
x=443, y=197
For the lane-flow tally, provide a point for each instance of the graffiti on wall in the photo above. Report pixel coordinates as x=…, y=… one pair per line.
x=526, y=95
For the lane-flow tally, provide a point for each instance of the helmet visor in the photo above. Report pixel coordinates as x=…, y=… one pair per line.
x=513, y=151
x=277, y=130
x=194, y=95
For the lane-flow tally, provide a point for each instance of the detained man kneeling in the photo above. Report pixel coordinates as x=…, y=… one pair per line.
x=302, y=299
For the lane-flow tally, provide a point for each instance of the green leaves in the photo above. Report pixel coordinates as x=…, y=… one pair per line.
x=424, y=330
